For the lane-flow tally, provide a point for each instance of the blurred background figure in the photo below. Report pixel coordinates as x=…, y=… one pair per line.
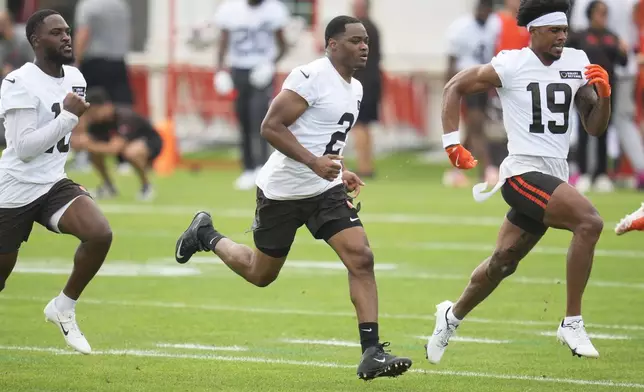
x=117, y=130
x=472, y=40
x=15, y=51
x=603, y=47
x=511, y=35
x=371, y=79
x=621, y=21
x=252, y=39
x=101, y=43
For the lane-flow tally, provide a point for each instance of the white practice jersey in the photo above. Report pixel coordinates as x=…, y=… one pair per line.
x=472, y=43
x=538, y=100
x=538, y=109
x=322, y=129
x=22, y=180
x=252, y=30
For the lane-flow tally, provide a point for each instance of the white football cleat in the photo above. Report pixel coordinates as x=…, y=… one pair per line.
x=634, y=221
x=575, y=337
x=66, y=321
x=443, y=330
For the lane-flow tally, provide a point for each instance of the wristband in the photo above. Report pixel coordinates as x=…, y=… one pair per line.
x=452, y=138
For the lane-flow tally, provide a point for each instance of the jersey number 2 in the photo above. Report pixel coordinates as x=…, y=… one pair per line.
x=61, y=145
x=340, y=136
x=537, y=125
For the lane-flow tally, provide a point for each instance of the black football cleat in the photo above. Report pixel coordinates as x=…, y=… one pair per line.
x=376, y=362
x=189, y=244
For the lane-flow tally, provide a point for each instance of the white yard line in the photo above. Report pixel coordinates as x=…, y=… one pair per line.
x=301, y=312
x=272, y=361
x=167, y=267
x=112, y=268
x=438, y=246
x=319, y=342
x=192, y=346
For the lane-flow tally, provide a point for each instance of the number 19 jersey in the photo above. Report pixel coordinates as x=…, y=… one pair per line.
x=322, y=129
x=537, y=100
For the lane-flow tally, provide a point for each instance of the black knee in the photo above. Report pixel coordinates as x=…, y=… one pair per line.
x=503, y=263
x=359, y=260
x=265, y=280
x=101, y=234
x=590, y=226
x=2, y=280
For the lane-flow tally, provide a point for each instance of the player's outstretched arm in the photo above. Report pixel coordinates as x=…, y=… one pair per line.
x=593, y=101
x=473, y=80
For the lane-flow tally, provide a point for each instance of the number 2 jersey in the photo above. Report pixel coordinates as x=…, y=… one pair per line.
x=322, y=129
x=538, y=109
x=29, y=91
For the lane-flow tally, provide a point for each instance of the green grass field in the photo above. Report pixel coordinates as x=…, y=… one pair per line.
x=157, y=326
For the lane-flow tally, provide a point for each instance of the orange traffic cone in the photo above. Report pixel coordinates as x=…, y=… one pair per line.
x=167, y=161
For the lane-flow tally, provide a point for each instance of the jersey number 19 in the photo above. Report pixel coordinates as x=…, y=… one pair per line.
x=61, y=146
x=537, y=125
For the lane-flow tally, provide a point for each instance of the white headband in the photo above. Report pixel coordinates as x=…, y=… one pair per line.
x=551, y=19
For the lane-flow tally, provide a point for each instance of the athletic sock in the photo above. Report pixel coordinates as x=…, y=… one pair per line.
x=451, y=318
x=368, y=335
x=209, y=237
x=64, y=303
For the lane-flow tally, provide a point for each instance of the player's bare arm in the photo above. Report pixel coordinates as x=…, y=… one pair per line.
x=593, y=101
x=113, y=147
x=287, y=107
x=472, y=80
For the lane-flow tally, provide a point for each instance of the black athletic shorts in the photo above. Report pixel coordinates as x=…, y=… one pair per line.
x=477, y=101
x=528, y=195
x=16, y=223
x=155, y=144
x=277, y=221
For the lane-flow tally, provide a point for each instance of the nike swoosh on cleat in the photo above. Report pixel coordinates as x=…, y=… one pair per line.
x=380, y=360
x=63, y=328
x=179, y=255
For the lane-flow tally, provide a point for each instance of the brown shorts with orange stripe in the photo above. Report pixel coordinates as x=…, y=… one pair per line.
x=528, y=195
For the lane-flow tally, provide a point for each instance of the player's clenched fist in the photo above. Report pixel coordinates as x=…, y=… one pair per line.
x=73, y=103
x=325, y=166
x=461, y=157
x=598, y=77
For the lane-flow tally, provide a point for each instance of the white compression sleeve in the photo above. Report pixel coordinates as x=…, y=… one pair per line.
x=29, y=141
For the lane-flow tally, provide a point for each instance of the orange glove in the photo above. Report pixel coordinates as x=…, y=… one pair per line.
x=460, y=157
x=598, y=77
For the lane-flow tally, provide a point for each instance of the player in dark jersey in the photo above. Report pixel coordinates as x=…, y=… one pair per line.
x=114, y=130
